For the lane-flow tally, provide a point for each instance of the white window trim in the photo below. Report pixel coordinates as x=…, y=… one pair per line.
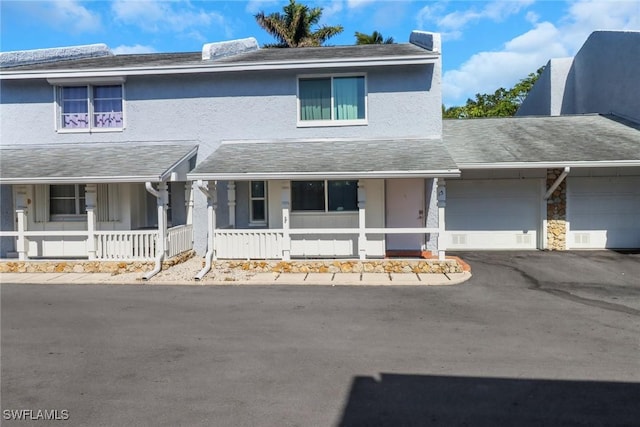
x=332, y=122
x=253, y=222
x=57, y=116
x=326, y=199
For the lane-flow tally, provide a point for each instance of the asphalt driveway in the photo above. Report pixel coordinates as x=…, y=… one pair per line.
x=532, y=339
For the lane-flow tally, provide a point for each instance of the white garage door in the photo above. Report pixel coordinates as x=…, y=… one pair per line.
x=493, y=214
x=603, y=212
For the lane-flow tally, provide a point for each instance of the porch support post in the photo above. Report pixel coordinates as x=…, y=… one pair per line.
x=362, y=237
x=91, y=202
x=212, y=206
x=442, y=203
x=188, y=201
x=286, y=238
x=231, y=197
x=163, y=201
x=21, y=216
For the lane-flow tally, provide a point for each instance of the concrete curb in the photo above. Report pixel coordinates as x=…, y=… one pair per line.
x=284, y=279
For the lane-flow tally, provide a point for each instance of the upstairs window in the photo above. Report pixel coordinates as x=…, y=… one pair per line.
x=90, y=107
x=332, y=100
x=324, y=196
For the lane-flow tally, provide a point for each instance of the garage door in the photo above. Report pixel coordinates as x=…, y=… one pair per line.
x=493, y=214
x=603, y=212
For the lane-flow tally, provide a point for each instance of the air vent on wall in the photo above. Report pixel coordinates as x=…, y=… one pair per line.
x=458, y=239
x=523, y=239
x=582, y=238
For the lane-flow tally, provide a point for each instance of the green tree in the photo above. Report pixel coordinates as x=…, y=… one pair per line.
x=293, y=28
x=502, y=103
x=373, y=38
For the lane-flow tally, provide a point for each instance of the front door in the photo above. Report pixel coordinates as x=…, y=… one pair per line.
x=405, y=208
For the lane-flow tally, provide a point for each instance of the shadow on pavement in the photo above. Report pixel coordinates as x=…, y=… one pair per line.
x=419, y=400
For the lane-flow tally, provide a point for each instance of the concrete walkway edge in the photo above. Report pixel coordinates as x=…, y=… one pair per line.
x=325, y=279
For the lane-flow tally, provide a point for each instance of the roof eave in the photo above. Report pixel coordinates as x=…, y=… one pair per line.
x=551, y=165
x=217, y=68
x=81, y=180
x=265, y=176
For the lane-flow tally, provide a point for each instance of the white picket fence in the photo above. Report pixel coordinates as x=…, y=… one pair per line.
x=126, y=245
x=248, y=244
x=179, y=239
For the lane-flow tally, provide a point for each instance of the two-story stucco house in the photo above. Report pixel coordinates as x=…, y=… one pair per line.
x=267, y=153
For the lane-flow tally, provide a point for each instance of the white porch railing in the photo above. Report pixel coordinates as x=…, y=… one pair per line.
x=248, y=244
x=179, y=239
x=126, y=245
x=268, y=243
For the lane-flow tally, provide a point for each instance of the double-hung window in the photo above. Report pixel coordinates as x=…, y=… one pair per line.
x=324, y=196
x=258, y=203
x=332, y=100
x=67, y=201
x=90, y=108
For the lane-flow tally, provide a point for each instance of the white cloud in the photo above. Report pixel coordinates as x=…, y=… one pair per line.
x=65, y=15
x=124, y=49
x=484, y=72
x=157, y=15
x=454, y=22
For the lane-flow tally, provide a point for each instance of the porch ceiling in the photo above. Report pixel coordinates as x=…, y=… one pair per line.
x=327, y=159
x=92, y=163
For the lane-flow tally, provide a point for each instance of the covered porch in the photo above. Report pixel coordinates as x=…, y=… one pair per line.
x=103, y=202
x=326, y=199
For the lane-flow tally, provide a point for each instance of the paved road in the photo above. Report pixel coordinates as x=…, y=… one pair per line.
x=531, y=339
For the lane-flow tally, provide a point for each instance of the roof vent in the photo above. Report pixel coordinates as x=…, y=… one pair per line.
x=36, y=56
x=426, y=40
x=211, y=51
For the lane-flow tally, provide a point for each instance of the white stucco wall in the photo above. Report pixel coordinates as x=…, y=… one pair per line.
x=403, y=102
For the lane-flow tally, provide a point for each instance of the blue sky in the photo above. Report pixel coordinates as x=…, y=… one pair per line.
x=486, y=44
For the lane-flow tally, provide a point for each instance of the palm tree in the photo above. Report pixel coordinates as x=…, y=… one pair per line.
x=293, y=28
x=373, y=38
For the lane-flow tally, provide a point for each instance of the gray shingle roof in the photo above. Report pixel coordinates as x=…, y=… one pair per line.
x=584, y=138
x=376, y=158
x=254, y=57
x=93, y=163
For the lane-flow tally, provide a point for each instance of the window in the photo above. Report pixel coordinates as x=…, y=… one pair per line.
x=258, y=202
x=67, y=200
x=90, y=107
x=324, y=196
x=332, y=100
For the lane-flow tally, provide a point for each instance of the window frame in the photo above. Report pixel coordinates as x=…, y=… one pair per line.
x=90, y=85
x=252, y=221
x=78, y=216
x=332, y=122
x=326, y=198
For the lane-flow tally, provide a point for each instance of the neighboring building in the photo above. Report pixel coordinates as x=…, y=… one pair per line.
x=602, y=78
x=294, y=153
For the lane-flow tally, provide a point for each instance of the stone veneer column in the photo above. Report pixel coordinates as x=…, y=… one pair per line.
x=556, y=213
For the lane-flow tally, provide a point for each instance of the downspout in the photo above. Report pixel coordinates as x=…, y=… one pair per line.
x=208, y=258
x=557, y=182
x=160, y=256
